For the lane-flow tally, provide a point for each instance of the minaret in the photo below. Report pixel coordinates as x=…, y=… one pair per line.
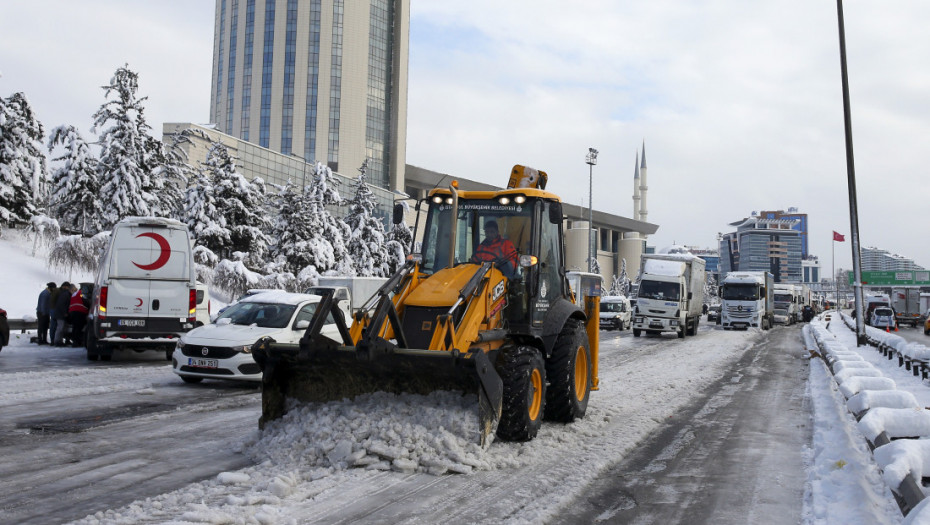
x=643, y=187
x=636, y=188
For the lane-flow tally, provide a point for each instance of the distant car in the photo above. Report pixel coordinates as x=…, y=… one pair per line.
x=248, y=293
x=781, y=316
x=615, y=313
x=882, y=317
x=713, y=312
x=927, y=324
x=223, y=350
x=203, y=304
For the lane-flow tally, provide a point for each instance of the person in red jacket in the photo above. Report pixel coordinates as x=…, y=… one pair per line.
x=77, y=316
x=496, y=249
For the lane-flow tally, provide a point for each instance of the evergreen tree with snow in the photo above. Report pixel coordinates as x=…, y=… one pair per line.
x=124, y=169
x=170, y=173
x=75, y=198
x=398, y=243
x=298, y=241
x=200, y=213
x=322, y=193
x=366, y=243
x=23, y=167
x=241, y=203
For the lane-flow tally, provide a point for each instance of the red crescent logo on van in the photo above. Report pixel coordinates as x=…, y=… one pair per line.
x=162, y=257
x=139, y=299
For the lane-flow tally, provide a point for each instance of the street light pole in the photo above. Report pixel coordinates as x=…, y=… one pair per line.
x=591, y=160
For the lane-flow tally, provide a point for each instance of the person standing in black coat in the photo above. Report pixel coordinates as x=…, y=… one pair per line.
x=44, y=313
x=60, y=311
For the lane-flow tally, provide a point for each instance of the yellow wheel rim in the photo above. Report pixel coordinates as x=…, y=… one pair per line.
x=581, y=373
x=536, y=402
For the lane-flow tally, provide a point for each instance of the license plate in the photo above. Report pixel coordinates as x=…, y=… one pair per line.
x=131, y=322
x=202, y=363
x=655, y=325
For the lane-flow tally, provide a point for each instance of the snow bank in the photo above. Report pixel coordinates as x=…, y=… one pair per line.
x=854, y=385
x=868, y=399
x=902, y=457
x=896, y=422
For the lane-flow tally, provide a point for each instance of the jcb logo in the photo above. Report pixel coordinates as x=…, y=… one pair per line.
x=498, y=291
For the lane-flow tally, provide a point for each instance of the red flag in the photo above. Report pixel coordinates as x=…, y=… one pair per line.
x=838, y=237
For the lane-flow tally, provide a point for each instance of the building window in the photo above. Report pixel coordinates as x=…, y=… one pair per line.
x=290, y=57
x=231, y=76
x=247, y=68
x=335, y=90
x=378, y=110
x=264, y=122
x=219, y=62
x=313, y=81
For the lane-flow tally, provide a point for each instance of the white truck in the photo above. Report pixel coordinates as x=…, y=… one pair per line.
x=906, y=304
x=356, y=290
x=788, y=297
x=670, y=295
x=747, y=299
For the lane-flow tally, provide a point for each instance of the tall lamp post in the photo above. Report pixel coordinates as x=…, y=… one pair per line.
x=591, y=159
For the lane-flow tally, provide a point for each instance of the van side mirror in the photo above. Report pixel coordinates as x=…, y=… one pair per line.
x=398, y=216
x=302, y=324
x=555, y=212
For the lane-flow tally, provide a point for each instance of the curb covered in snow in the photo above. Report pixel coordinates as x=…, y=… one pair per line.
x=884, y=414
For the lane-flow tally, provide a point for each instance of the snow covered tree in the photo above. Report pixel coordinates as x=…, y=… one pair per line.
x=124, y=170
x=710, y=289
x=23, y=167
x=398, y=242
x=202, y=217
x=620, y=284
x=298, y=242
x=75, y=191
x=366, y=241
x=170, y=173
x=322, y=193
x=241, y=204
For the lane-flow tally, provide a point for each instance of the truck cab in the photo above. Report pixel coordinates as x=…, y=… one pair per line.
x=747, y=300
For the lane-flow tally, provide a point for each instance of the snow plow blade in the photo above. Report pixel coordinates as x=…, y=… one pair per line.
x=321, y=369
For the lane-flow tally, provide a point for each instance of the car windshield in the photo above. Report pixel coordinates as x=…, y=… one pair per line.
x=612, y=307
x=740, y=292
x=783, y=297
x=661, y=290
x=266, y=315
x=883, y=311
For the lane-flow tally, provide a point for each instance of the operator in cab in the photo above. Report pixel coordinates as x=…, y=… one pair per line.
x=496, y=249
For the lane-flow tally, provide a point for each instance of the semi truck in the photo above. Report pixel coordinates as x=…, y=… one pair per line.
x=670, y=296
x=747, y=299
x=906, y=304
x=788, y=298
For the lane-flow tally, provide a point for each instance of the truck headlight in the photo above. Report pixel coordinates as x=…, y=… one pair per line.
x=673, y=322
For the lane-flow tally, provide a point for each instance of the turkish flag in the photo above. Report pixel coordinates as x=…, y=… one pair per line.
x=838, y=237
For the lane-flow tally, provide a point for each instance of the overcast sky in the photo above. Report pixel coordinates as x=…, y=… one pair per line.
x=739, y=103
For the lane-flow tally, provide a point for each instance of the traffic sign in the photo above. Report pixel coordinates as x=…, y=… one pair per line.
x=900, y=278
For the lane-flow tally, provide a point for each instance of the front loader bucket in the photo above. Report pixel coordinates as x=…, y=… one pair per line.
x=323, y=370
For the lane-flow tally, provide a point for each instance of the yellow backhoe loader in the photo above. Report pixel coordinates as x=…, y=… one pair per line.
x=495, y=316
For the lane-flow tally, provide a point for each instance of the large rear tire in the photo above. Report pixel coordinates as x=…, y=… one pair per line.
x=523, y=373
x=569, y=374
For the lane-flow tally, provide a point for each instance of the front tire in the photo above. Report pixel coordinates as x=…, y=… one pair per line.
x=569, y=375
x=523, y=373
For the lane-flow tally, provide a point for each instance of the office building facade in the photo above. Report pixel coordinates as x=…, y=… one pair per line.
x=770, y=245
x=323, y=80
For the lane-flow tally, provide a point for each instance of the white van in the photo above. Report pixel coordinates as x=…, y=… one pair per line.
x=145, y=294
x=616, y=313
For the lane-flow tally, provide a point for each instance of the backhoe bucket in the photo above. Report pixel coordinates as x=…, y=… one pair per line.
x=322, y=369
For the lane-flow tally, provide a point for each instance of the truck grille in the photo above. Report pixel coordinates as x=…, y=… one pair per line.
x=734, y=313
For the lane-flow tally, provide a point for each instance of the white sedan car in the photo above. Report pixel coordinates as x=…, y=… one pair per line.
x=223, y=349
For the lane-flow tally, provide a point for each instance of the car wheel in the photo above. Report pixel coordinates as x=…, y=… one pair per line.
x=191, y=379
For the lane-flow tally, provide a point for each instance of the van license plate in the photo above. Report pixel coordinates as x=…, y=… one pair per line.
x=131, y=322
x=202, y=363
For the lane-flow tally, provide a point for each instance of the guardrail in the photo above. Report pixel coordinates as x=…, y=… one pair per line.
x=22, y=325
x=856, y=379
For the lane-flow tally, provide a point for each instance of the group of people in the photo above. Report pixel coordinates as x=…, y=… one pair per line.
x=62, y=315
